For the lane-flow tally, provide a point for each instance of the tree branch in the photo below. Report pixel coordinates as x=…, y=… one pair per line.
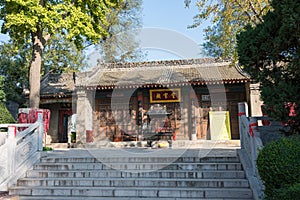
x=246, y=12
x=255, y=12
x=47, y=37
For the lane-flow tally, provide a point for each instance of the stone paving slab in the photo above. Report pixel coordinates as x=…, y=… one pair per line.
x=122, y=198
x=234, y=193
x=207, y=150
x=178, y=144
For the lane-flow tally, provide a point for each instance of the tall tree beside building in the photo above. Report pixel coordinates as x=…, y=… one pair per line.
x=60, y=55
x=120, y=44
x=38, y=20
x=14, y=67
x=270, y=52
x=228, y=18
x=2, y=93
x=5, y=116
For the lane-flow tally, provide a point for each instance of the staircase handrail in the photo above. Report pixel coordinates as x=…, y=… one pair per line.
x=20, y=150
x=251, y=143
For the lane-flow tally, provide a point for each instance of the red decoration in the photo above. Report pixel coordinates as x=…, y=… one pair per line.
x=241, y=114
x=251, y=128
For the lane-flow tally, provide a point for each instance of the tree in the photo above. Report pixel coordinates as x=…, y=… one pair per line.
x=60, y=55
x=228, y=18
x=14, y=68
x=38, y=20
x=2, y=94
x=270, y=53
x=5, y=116
x=123, y=26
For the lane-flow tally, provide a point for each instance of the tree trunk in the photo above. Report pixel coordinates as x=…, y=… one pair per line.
x=35, y=68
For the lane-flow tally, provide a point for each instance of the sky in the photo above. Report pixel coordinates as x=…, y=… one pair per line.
x=165, y=35
x=174, y=18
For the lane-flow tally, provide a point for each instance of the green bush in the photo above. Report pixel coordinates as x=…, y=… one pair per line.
x=5, y=116
x=47, y=149
x=278, y=165
x=289, y=193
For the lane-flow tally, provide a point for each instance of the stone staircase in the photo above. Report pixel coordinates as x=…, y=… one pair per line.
x=136, y=174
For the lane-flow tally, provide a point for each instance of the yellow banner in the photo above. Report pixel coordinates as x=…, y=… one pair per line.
x=219, y=123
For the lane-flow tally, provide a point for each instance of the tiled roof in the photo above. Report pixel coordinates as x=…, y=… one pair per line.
x=144, y=74
x=57, y=85
x=203, y=71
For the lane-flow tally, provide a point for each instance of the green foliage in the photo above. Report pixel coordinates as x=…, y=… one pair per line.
x=123, y=26
x=228, y=17
x=289, y=193
x=279, y=166
x=73, y=137
x=79, y=20
x=2, y=93
x=36, y=21
x=47, y=148
x=60, y=55
x=5, y=116
x=270, y=53
x=14, y=67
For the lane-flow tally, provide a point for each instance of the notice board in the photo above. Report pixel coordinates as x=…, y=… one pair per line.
x=219, y=123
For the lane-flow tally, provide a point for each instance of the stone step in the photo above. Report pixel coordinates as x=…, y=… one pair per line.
x=138, y=166
x=153, y=174
x=120, y=198
x=143, y=174
x=145, y=159
x=58, y=145
x=137, y=152
x=145, y=192
x=133, y=182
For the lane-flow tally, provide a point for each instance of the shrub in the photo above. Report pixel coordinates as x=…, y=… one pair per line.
x=47, y=149
x=5, y=116
x=279, y=165
x=289, y=193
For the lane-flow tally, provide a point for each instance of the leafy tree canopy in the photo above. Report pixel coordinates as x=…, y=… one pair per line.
x=79, y=20
x=60, y=55
x=123, y=26
x=270, y=53
x=228, y=18
x=37, y=20
x=14, y=67
x=2, y=94
x=5, y=117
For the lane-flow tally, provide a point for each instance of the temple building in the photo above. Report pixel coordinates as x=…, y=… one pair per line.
x=187, y=99
x=57, y=92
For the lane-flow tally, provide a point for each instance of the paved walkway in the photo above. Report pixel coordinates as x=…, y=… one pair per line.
x=185, y=148
x=179, y=144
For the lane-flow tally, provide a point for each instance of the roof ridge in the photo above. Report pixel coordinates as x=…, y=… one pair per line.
x=161, y=63
x=239, y=68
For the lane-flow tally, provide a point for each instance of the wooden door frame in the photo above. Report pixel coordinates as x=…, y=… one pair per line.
x=62, y=112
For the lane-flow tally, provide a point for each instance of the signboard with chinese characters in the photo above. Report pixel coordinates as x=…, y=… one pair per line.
x=165, y=95
x=205, y=97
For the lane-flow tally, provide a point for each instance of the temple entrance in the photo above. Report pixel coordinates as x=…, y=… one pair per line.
x=174, y=117
x=64, y=125
x=123, y=122
x=188, y=117
x=117, y=122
